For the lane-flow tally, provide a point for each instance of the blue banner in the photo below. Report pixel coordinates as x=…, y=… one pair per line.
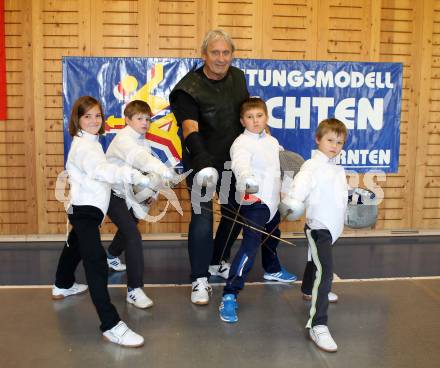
x=299, y=94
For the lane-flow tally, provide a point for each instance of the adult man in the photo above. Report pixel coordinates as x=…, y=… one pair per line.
x=206, y=103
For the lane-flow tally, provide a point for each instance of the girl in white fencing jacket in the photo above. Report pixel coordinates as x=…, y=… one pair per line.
x=90, y=176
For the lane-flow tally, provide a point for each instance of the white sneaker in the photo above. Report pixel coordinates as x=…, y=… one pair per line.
x=116, y=264
x=75, y=289
x=221, y=270
x=320, y=335
x=122, y=335
x=201, y=291
x=332, y=297
x=138, y=298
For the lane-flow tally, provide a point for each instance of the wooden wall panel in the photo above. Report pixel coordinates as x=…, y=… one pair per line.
x=177, y=28
x=64, y=31
x=399, y=41
x=289, y=30
x=426, y=204
x=17, y=206
x=39, y=33
x=242, y=20
x=118, y=27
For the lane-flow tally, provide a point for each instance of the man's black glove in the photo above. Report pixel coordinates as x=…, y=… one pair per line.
x=200, y=157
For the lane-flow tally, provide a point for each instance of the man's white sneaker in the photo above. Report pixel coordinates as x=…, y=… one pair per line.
x=320, y=335
x=221, y=270
x=75, y=289
x=116, y=264
x=200, y=291
x=138, y=298
x=122, y=335
x=332, y=297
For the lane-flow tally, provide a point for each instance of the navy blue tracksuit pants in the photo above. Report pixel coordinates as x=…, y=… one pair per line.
x=258, y=214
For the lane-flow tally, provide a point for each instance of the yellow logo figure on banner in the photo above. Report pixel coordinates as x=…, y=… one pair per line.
x=163, y=131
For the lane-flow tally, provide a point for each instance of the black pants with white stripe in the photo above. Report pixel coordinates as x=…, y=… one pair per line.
x=318, y=274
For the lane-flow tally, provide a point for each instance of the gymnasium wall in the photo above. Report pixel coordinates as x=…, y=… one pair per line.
x=40, y=32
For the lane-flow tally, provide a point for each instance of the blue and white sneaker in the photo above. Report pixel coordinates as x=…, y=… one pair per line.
x=116, y=264
x=282, y=276
x=138, y=298
x=228, y=308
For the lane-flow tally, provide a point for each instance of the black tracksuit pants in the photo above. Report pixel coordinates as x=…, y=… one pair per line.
x=318, y=274
x=128, y=239
x=84, y=243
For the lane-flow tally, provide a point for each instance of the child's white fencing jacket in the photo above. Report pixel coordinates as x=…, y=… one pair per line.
x=90, y=174
x=322, y=185
x=130, y=148
x=257, y=155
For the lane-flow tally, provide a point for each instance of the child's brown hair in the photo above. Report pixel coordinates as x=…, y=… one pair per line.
x=331, y=125
x=137, y=107
x=80, y=108
x=253, y=103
